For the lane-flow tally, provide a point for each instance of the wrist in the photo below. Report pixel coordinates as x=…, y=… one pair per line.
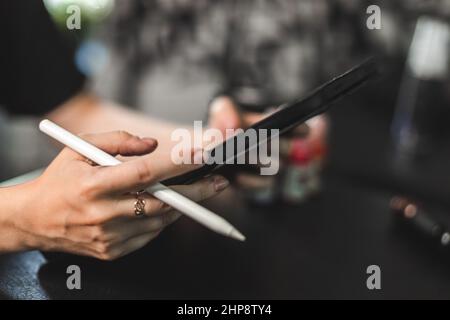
x=15, y=202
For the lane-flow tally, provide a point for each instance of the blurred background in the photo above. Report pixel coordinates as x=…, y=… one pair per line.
x=170, y=58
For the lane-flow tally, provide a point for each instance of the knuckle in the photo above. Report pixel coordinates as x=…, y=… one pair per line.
x=104, y=257
x=104, y=247
x=88, y=189
x=84, y=135
x=124, y=135
x=143, y=172
x=108, y=256
x=97, y=233
x=94, y=216
x=155, y=205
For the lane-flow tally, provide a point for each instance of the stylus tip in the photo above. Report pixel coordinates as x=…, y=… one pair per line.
x=235, y=234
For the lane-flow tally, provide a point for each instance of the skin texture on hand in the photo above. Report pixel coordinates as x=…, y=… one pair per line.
x=81, y=208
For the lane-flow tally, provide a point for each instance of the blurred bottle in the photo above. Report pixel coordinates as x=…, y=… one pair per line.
x=303, y=168
x=298, y=172
x=421, y=101
x=318, y=139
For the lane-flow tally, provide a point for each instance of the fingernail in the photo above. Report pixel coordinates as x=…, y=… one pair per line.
x=220, y=183
x=150, y=142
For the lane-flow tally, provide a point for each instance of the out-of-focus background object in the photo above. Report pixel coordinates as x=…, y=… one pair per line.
x=420, y=117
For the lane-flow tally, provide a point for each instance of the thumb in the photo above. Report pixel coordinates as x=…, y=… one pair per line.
x=224, y=114
x=116, y=143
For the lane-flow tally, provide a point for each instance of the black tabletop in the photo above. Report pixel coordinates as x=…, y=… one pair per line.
x=317, y=250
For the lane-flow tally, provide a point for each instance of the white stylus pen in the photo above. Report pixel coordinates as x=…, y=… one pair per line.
x=177, y=201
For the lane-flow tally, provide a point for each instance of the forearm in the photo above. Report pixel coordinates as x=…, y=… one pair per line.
x=14, y=201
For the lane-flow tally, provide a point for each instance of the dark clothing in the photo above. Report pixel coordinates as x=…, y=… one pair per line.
x=37, y=70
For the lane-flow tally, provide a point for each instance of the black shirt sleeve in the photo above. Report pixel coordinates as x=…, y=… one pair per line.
x=37, y=70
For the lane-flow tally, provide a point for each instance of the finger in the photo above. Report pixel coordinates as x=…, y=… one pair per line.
x=125, y=206
x=73, y=247
x=251, y=118
x=139, y=173
x=224, y=114
x=254, y=182
x=318, y=128
x=131, y=245
x=203, y=189
x=121, y=230
x=120, y=143
x=198, y=191
x=300, y=131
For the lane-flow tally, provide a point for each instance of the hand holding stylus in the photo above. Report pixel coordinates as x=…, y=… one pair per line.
x=89, y=210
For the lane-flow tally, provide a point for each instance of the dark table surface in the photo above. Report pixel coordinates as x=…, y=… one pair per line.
x=319, y=249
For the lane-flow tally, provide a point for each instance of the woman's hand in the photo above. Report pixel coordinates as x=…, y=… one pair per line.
x=224, y=114
x=80, y=208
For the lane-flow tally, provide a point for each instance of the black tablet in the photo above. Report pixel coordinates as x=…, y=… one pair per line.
x=289, y=116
